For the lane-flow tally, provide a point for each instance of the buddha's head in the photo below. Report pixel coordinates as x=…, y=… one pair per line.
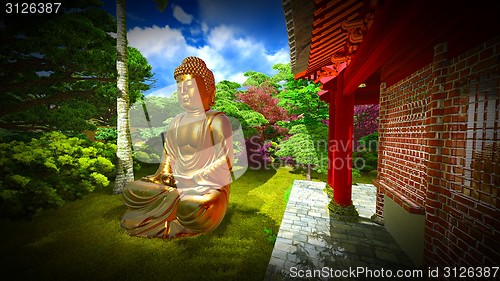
x=195, y=84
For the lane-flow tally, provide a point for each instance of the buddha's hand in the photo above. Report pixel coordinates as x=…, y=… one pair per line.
x=168, y=180
x=151, y=178
x=163, y=179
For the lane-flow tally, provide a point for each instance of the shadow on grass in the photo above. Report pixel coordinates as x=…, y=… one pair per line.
x=116, y=213
x=258, y=176
x=299, y=170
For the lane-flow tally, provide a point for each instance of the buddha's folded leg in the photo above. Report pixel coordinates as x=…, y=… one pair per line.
x=138, y=194
x=203, y=213
x=150, y=208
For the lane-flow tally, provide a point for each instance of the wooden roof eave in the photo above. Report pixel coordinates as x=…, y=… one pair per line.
x=299, y=32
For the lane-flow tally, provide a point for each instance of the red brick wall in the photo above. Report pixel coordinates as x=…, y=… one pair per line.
x=402, y=129
x=439, y=154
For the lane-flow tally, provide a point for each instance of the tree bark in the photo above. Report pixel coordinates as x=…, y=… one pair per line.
x=125, y=171
x=308, y=173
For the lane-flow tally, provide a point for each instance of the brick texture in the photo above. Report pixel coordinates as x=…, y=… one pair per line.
x=439, y=154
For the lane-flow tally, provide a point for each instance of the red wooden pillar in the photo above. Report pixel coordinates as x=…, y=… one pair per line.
x=331, y=129
x=342, y=144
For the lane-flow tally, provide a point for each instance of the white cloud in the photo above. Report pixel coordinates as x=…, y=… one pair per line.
x=182, y=16
x=157, y=41
x=238, y=78
x=281, y=56
x=204, y=27
x=227, y=52
x=220, y=37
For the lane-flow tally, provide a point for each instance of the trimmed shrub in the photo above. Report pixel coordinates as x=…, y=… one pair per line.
x=106, y=134
x=47, y=171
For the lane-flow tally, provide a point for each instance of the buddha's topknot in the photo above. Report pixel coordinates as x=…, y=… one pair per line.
x=196, y=66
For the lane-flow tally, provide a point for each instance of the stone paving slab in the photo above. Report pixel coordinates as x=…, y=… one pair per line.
x=309, y=239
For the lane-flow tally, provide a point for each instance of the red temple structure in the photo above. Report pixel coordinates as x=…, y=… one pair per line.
x=433, y=66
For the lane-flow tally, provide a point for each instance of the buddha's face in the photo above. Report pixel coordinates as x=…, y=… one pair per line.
x=191, y=93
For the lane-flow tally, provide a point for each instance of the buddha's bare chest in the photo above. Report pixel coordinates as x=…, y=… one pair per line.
x=189, y=134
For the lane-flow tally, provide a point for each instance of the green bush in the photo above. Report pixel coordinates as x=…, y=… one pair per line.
x=355, y=174
x=106, y=134
x=47, y=171
x=8, y=136
x=370, y=141
x=146, y=153
x=366, y=156
x=373, y=173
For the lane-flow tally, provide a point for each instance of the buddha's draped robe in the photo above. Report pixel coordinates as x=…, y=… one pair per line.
x=152, y=207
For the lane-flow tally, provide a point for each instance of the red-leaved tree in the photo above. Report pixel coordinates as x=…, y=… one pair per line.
x=262, y=99
x=365, y=120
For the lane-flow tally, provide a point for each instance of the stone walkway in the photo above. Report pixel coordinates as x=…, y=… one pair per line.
x=309, y=239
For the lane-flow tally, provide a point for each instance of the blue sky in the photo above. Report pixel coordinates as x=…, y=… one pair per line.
x=232, y=37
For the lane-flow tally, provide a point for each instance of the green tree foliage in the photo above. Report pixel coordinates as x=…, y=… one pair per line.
x=284, y=75
x=258, y=79
x=303, y=101
x=226, y=89
x=58, y=70
x=299, y=97
x=149, y=118
x=45, y=172
x=225, y=102
x=307, y=146
x=106, y=134
x=159, y=110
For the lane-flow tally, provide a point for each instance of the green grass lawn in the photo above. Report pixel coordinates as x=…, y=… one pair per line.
x=84, y=241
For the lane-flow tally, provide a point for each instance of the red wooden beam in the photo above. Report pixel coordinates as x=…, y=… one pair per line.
x=403, y=35
x=393, y=21
x=367, y=95
x=367, y=100
x=324, y=95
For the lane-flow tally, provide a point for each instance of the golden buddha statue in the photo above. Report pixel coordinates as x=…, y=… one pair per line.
x=189, y=193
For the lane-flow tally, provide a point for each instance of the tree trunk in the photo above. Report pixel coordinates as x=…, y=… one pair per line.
x=308, y=174
x=125, y=171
